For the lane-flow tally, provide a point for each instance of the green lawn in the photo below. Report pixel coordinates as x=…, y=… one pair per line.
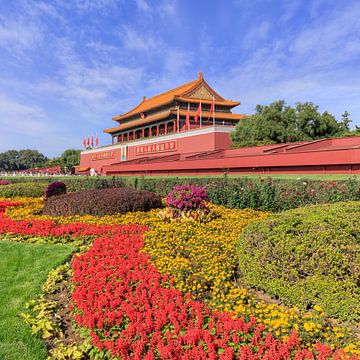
x=23, y=270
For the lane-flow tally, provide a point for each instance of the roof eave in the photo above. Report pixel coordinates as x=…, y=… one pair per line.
x=123, y=117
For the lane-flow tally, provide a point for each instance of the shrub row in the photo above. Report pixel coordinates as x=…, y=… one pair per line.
x=30, y=189
x=102, y=202
x=76, y=183
x=307, y=256
x=259, y=194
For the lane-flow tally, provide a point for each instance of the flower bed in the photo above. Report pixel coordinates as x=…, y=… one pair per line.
x=123, y=300
x=201, y=260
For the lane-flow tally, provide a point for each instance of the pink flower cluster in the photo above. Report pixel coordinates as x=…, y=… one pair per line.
x=186, y=197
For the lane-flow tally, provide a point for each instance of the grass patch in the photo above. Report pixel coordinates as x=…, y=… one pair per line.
x=23, y=270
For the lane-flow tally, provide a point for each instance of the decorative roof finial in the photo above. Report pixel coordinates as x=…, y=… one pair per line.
x=144, y=98
x=200, y=75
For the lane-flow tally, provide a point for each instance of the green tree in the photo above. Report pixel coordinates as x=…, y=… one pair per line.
x=345, y=121
x=8, y=160
x=68, y=159
x=28, y=159
x=279, y=123
x=13, y=160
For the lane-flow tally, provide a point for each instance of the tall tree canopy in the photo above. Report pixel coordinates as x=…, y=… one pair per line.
x=13, y=160
x=279, y=123
x=68, y=159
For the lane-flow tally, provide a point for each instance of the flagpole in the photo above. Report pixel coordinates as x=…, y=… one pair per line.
x=200, y=114
x=214, y=111
x=189, y=116
x=178, y=118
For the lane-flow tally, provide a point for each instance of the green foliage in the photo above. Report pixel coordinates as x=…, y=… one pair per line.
x=30, y=189
x=279, y=123
x=23, y=269
x=308, y=256
x=257, y=193
x=345, y=119
x=42, y=316
x=263, y=194
x=67, y=159
x=13, y=160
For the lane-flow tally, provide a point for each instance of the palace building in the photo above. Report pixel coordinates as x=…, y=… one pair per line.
x=191, y=118
x=166, y=113
x=186, y=131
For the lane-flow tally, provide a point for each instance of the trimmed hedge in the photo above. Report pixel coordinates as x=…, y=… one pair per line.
x=306, y=257
x=76, y=183
x=100, y=202
x=260, y=194
x=22, y=189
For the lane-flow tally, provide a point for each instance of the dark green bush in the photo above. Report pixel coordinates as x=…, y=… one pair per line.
x=100, y=202
x=22, y=189
x=262, y=194
x=76, y=183
x=307, y=256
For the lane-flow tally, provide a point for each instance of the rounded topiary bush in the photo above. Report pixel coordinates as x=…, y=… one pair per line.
x=54, y=189
x=100, y=202
x=308, y=256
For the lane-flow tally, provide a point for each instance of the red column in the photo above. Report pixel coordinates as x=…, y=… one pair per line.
x=143, y=133
x=122, y=138
x=166, y=128
x=157, y=130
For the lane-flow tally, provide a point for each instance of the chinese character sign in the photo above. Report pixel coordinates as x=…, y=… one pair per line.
x=156, y=148
x=103, y=155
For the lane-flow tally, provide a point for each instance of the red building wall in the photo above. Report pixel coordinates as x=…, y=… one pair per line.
x=335, y=156
x=199, y=140
x=208, y=152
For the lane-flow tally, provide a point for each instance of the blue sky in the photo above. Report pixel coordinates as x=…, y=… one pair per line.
x=67, y=67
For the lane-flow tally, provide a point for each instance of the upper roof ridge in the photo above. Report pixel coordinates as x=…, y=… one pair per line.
x=168, y=96
x=173, y=90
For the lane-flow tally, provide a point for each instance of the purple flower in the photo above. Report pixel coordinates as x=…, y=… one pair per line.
x=186, y=197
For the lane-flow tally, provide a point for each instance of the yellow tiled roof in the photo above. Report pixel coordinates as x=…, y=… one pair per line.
x=180, y=93
x=165, y=114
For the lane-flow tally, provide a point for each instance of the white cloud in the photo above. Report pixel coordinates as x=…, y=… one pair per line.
x=290, y=9
x=331, y=39
x=256, y=34
x=86, y=6
x=25, y=119
x=142, y=5
x=18, y=35
x=168, y=8
x=24, y=125
x=134, y=40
